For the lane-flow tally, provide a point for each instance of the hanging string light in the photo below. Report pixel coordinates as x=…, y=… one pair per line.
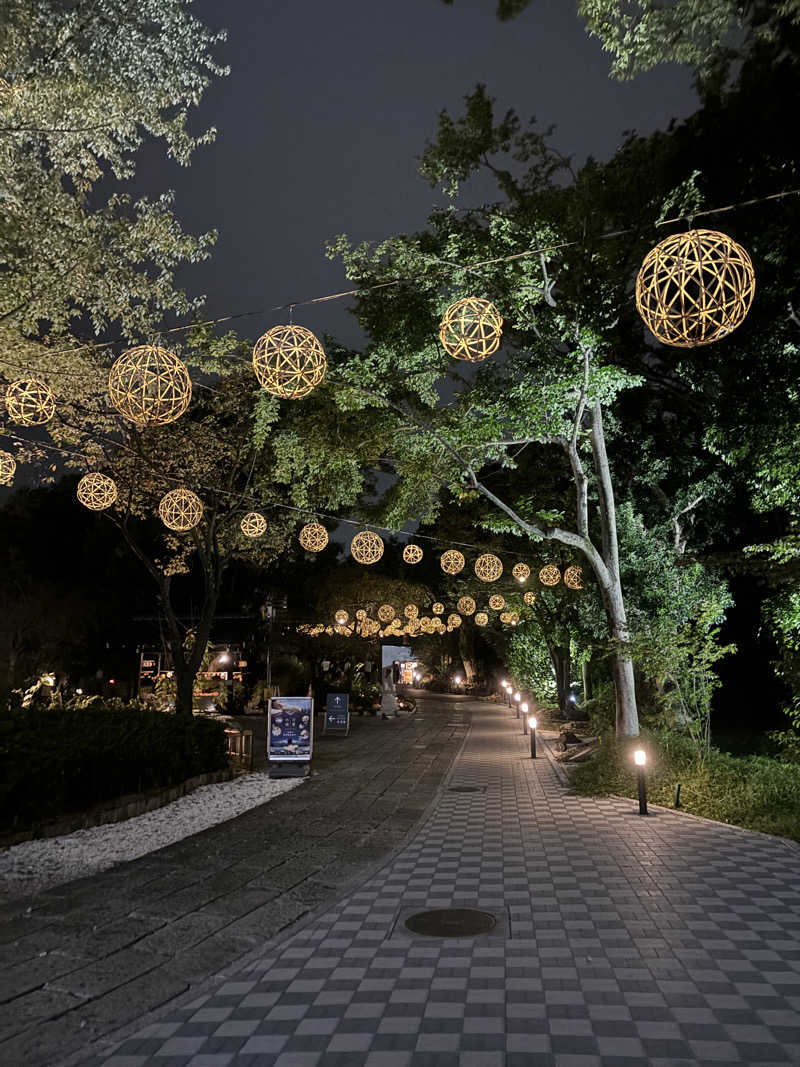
x=97, y=491
x=149, y=386
x=488, y=567
x=497, y=602
x=180, y=510
x=573, y=577
x=30, y=402
x=411, y=611
x=452, y=561
x=466, y=605
x=453, y=621
x=313, y=537
x=366, y=547
x=530, y=598
x=412, y=554
x=289, y=361
x=8, y=467
x=438, y=608
x=481, y=618
x=550, y=574
x=386, y=612
x=253, y=525
x=521, y=572
x=471, y=329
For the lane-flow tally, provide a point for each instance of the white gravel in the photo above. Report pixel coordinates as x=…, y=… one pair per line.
x=34, y=866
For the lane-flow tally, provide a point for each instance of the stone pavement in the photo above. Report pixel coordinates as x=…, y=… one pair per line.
x=83, y=959
x=621, y=941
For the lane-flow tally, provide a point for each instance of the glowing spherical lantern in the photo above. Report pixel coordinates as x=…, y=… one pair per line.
x=97, y=491
x=253, y=524
x=289, y=361
x=466, y=605
x=411, y=611
x=366, y=547
x=412, y=554
x=521, y=572
x=471, y=329
x=149, y=386
x=386, y=613
x=313, y=537
x=694, y=288
x=361, y=614
x=438, y=608
x=426, y=624
x=180, y=510
x=30, y=402
x=453, y=621
x=452, y=561
x=497, y=602
x=530, y=598
x=505, y=616
x=573, y=577
x=488, y=567
x=8, y=467
x=481, y=618
x=342, y=617
x=550, y=575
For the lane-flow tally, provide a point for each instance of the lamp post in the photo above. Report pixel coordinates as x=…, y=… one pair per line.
x=517, y=698
x=640, y=759
x=524, y=709
x=532, y=727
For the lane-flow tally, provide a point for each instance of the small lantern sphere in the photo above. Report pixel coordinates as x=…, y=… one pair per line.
x=694, y=288
x=30, y=402
x=8, y=467
x=361, y=614
x=514, y=617
x=550, y=574
x=438, y=608
x=530, y=598
x=342, y=617
x=471, y=329
x=366, y=547
x=149, y=386
x=97, y=491
x=253, y=524
x=466, y=605
x=521, y=571
x=411, y=611
x=386, y=612
x=426, y=623
x=488, y=567
x=452, y=561
x=289, y=361
x=481, y=618
x=454, y=621
x=573, y=577
x=313, y=537
x=412, y=554
x=180, y=510
x=505, y=616
x=497, y=602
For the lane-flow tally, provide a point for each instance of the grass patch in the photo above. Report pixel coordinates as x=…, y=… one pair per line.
x=756, y=792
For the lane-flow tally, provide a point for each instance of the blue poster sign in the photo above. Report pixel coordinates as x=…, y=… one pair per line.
x=290, y=722
x=337, y=712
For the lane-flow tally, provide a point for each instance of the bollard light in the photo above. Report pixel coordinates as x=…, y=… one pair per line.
x=532, y=727
x=640, y=759
x=524, y=709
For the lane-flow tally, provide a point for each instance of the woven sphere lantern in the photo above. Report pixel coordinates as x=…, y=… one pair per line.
x=471, y=329
x=97, y=491
x=521, y=572
x=412, y=554
x=453, y=621
x=694, y=288
x=505, y=616
x=386, y=612
x=481, y=618
x=366, y=547
x=8, y=466
x=550, y=574
x=253, y=524
x=466, y=605
x=426, y=624
x=180, y=510
x=289, y=361
x=361, y=614
x=30, y=402
x=341, y=617
x=497, y=602
x=573, y=577
x=452, y=561
x=488, y=567
x=149, y=386
x=438, y=608
x=529, y=598
x=411, y=611
x=313, y=537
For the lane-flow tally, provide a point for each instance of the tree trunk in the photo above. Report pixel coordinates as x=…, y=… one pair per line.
x=627, y=716
x=586, y=674
x=465, y=648
x=560, y=657
x=184, y=691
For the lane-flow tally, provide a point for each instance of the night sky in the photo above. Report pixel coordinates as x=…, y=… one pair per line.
x=328, y=106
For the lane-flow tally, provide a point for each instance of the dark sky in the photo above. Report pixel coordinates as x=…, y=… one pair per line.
x=329, y=103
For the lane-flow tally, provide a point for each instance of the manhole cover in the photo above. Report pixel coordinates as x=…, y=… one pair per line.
x=451, y=922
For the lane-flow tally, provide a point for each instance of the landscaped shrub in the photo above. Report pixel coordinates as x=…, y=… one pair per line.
x=64, y=760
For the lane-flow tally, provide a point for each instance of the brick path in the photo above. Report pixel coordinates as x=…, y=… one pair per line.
x=81, y=960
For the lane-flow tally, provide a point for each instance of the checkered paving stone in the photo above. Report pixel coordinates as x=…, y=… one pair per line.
x=621, y=942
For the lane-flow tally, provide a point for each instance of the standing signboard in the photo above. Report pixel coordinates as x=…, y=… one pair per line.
x=337, y=713
x=290, y=727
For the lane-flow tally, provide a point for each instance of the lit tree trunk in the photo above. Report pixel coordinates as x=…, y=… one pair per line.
x=466, y=651
x=560, y=658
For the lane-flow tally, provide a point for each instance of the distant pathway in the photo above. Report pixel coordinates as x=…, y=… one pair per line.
x=621, y=942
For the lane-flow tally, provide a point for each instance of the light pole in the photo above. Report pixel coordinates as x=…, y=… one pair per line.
x=640, y=759
x=532, y=726
x=524, y=710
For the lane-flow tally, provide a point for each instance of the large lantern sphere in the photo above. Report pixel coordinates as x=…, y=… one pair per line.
x=313, y=537
x=573, y=577
x=149, y=386
x=471, y=329
x=30, y=402
x=97, y=491
x=550, y=574
x=180, y=510
x=488, y=567
x=497, y=602
x=452, y=561
x=466, y=605
x=438, y=608
x=386, y=612
x=412, y=554
x=253, y=525
x=481, y=618
x=366, y=547
x=8, y=466
x=289, y=361
x=694, y=288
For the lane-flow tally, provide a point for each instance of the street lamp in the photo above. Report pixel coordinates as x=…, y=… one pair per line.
x=517, y=698
x=532, y=728
x=524, y=709
x=640, y=759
